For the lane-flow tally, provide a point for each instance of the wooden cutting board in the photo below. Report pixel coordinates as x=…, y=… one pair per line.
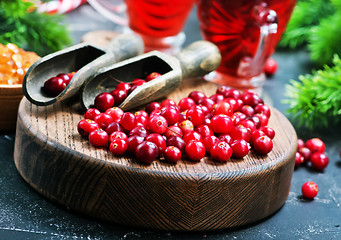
x=188, y=196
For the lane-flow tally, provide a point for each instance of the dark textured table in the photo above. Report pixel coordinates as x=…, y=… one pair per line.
x=24, y=214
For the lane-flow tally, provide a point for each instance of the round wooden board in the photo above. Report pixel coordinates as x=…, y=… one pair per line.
x=188, y=196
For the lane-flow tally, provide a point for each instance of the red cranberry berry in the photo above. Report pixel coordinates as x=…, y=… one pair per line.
x=195, y=150
x=299, y=159
x=210, y=141
x=146, y=152
x=178, y=142
x=118, y=135
x=270, y=132
x=118, y=147
x=270, y=67
x=128, y=121
x=173, y=131
x=223, y=108
x=263, y=145
x=305, y=152
x=221, y=123
x=191, y=136
x=171, y=114
x=315, y=145
x=309, y=190
x=103, y=101
x=103, y=120
x=152, y=106
x=240, y=132
x=300, y=143
x=119, y=96
x=196, y=96
x=152, y=76
x=186, y=126
x=86, y=126
x=139, y=130
x=240, y=148
x=158, y=140
x=221, y=152
x=157, y=124
x=186, y=103
x=195, y=115
x=115, y=112
x=172, y=154
x=319, y=161
x=123, y=86
x=133, y=142
x=98, y=138
x=54, y=86
x=114, y=127
x=91, y=113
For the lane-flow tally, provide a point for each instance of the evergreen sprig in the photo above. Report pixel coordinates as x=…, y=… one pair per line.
x=315, y=24
x=25, y=27
x=315, y=100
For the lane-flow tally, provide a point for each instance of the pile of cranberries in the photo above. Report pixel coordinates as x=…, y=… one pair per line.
x=227, y=124
x=55, y=85
x=106, y=100
x=311, y=153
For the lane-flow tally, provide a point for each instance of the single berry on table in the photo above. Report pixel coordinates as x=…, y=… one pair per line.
x=309, y=190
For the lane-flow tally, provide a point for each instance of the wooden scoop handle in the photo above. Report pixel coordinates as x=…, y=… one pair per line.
x=199, y=58
x=125, y=46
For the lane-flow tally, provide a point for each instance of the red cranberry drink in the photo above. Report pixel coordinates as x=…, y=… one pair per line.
x=158, y=21
x=246, y=32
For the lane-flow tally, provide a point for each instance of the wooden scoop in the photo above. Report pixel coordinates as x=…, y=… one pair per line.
x=196, y=60
x=84, y=59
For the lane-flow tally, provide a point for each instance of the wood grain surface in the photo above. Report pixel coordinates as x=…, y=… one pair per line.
x=188, y=196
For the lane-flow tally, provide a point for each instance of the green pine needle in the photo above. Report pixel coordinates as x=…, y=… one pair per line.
x=315, y=100
x=38, y=32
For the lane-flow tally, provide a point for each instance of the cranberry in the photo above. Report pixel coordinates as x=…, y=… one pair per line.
x=137, y=82
x=115, y=112
x=146, y=152
x=172, y=154
x=262, y=119
x=91, y=113
x=305, y=152
x=86, y=126
x=240, y=132
x=157, y=124
x=178, y=142
x=158, y=140
x=262, y=108
x=191, y=136
x=114, y=127
x=66, y=77
x=119, y=96
x=118, y=147
x=300, y=143
x=195, y=115
x=263, y=145
x=209, y=103
x=128, y=121
x=196, y=96
x=315, y=145
x=319, y=161
x=240, y=148
x=98, y=138
x=209, y=141
x=170, y=114
x=186, y=126
x=251, y=98
x=247, y=110
x=299, y=159
x=223, y=90
x=103, y=120
x=309, y=190
x=152, y=76
x=167, y=102
x=173, y=131
x=225, y=138
x=54, y=86
x=270, y=67
x=222, y=108
x=152, y=106
x=118, y=135
x=103, y=101
x=204, y=130
x=233, y=93
x=248, y=124
x=186, y=103
x=221, y=123
x=141, y=120
x=217, y=97
x=123, y=86
x=256, y=134
x=233, y=103
x=139, y=130
x=133, y=142
x=195, y=150
x=221, y=152
x=268, y=131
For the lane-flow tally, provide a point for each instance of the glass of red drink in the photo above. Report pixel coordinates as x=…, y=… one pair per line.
x=159, y=22
x=246, y=33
